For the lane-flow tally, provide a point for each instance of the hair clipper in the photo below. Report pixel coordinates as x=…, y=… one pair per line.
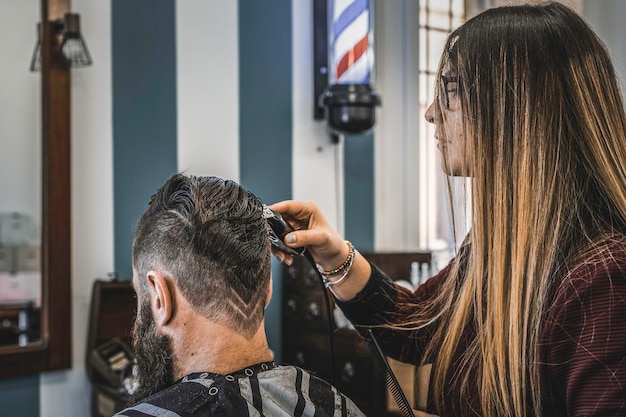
x=278, y=229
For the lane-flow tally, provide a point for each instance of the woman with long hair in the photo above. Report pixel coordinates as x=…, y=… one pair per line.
x=529, y=319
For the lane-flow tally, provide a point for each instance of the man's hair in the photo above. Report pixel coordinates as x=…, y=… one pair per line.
x=209, y=235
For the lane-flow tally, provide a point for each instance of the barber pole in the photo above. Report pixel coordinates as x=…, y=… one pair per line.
x=350, y=42
x=349, y=99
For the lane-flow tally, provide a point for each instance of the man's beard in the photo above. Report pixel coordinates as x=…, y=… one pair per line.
x=153, y=354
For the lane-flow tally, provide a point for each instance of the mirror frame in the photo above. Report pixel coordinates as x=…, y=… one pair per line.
x=54, y=352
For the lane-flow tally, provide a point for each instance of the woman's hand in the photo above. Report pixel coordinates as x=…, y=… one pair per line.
x=327, y=247
x=313, y=230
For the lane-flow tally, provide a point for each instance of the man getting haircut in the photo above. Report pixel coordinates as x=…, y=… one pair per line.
x=201, y=270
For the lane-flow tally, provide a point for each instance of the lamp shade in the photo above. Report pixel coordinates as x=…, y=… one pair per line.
x=73, y=45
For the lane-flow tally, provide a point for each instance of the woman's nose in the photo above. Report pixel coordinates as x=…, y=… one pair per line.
x=430, y=113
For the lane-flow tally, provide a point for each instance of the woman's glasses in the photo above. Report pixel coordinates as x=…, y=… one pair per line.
x=448, y=85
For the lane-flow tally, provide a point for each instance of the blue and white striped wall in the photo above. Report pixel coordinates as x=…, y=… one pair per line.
x=216, y=88
x=210, y=91
x=205, y=87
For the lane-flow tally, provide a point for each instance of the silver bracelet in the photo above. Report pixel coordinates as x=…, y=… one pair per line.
x=347, y=268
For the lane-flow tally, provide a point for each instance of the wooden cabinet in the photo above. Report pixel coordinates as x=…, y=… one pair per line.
x=111, y=319
x=306, y=333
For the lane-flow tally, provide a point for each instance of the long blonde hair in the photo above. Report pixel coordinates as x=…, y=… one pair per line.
x=545, y=135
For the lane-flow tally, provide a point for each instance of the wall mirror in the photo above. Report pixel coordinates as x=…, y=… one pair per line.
x=35, y=296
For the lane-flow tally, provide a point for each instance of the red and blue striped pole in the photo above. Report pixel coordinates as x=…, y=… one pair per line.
x=349, y=99
x=351, y=50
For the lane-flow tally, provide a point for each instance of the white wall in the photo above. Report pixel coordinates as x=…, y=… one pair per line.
x=208, y=99
x=397, y=142
x=208, y=145
x=207, y=69
x=67, y=393
x=574, y=4
x=606, y=17
x=315, y=158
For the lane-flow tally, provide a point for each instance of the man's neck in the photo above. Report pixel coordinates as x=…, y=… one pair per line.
x=205, y=346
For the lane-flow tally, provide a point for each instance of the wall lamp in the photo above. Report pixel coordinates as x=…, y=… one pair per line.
x=73, y=45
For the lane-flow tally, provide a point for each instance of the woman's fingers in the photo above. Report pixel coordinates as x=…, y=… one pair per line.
x=311, y=228
x=302, y=214
x=317, y=237
x=298, y=213
x=295, y=208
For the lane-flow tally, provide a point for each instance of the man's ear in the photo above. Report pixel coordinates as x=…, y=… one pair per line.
x=161, y=298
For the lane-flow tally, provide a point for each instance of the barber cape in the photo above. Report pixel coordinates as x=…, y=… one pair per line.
x=265, y=389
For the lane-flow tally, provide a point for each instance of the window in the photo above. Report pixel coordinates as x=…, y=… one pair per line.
x=437, y=19
x=412, y=207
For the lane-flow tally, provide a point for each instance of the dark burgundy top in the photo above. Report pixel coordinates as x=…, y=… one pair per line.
x=582, y=347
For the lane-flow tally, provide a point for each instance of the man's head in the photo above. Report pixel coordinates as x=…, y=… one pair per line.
x=207, y=236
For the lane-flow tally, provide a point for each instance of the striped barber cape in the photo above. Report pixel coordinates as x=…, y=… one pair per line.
x=265, y=389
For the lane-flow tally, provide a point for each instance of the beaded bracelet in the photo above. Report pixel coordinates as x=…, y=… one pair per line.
x=343, y=269
x=328, y=283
